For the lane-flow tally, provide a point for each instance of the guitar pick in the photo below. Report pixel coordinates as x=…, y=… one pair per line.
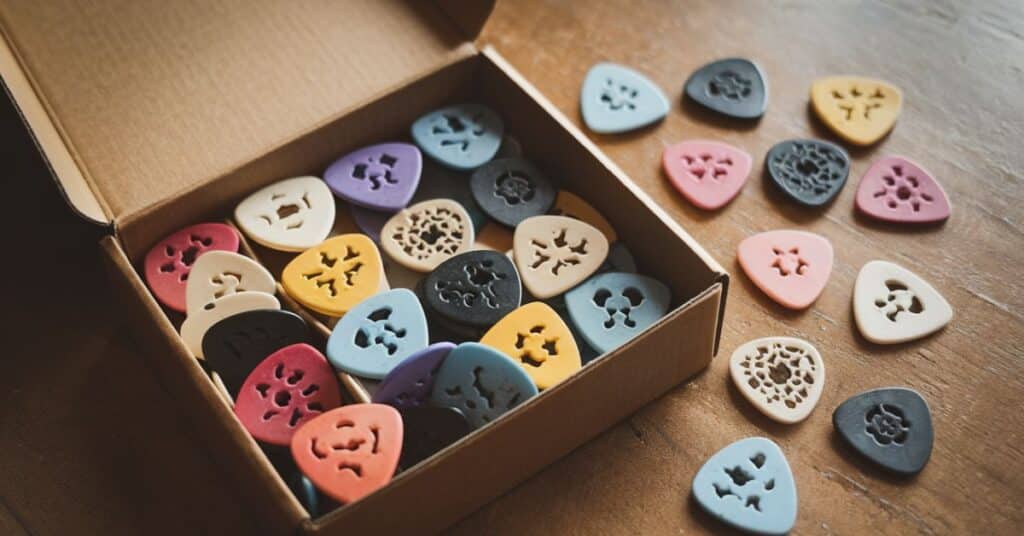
x=620, y=259
x=538, y=339
x=859, y=110
x=896, y=189
x=168, y=263
x=509, y=190
x=290, y=387
x=573, y=206
x=810, y=172
x=612, y=308
x=428, y=430
x=379, y=177
x=475, y=289
x=749, y=485
x=734, y=87
x=618, y=99
x=708, y=173
x=216, y=274
x=509, y=147
x=781, y=376
x=892, y=304
x=791, y=267
x=428, y=233
x=289, y=215
x=334, y=276
x=464, y=136
x=235, y=345
x=892, y=427
x=481, y=382
x=494, y=237
x=410, y=383
x=195, y=325
x=439, y=182
x=378, y=333
x=305, y=492
x=556, y=253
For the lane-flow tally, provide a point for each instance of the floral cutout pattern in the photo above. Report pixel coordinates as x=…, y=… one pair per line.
x=897, y=189
x=730, y=85
x=428, y=233
x=791, y=267
x=615, y=99
x=810, y=168
x=782, y=376
x=887, y=425
x=334, y=276
x=616, y=95
x=556, y=253
x=708, y=173
x=789, y=262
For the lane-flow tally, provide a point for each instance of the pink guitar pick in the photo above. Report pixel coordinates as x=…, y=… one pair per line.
x=169, y=262
x=708, y=173
x=896, y=189
x=791, y=267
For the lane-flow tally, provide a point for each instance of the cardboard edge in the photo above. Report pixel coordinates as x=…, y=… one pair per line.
x=469, y=15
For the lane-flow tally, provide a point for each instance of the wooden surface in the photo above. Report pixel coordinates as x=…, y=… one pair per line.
x=90, y=444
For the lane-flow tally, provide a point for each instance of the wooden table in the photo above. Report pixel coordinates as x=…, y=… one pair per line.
x=90, y=443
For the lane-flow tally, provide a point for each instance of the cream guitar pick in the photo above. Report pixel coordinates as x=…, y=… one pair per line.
x=217, y=274
x=426, y=234
x=290, y=215
x=781, y=376
x=892, y=304
x=555, y=253
x=197, y=323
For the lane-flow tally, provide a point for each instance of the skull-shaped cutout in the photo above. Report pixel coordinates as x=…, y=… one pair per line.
x=380, y=177
x=409, y=384
x=334, y=276
x=538, y=339
x=168, y=264
x=481, y=382
x=460, y=137
x=378, y=334
x=289, y=215
x=610, y=309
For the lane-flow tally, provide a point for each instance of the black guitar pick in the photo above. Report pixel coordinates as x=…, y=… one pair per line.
x=811, y=172
x=735, y=87
x=474, y=289
x=510, y=190
x=234, y=346
x=891, y=427
x=428, y=430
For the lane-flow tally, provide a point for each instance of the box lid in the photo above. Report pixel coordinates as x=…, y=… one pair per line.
x=134, y=102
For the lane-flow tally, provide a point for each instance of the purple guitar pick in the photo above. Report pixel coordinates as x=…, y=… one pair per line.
x=379, y=177
x=410, y=383
x=370, y=222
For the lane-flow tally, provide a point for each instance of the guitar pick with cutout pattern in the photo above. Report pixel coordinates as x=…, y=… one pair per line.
x=573, y=206
x=556, y=253
x=782, y=377
x=481, y=382
x=859, y=110
x=464, y=136
x=509, y=190
x=235, y=345
x=898, y=190
x=195, y=325
x=217, y=274
x=289, y=215
x=539, y=340
x=379, y=177
x=810, y=172
x=474, y=289
x=167, y=265
x=428, y=430
x=378, y=333
x=426, y=234
x=892, y=427
x=892, y=304
x=410, y=383
x=334, y=276
x=791, y=267
x=734, y=87
x=610, y=309
x=708, y=173
x=618, y=99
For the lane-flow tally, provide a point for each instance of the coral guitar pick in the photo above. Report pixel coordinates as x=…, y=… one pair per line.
x=460, y=137
x=474, y=289
x=892, y=304
x=439, y=182
x=380, y=177
x=195, y=325
x=781, y=376
x=810, y=172
x=287, y=389
x=410, y=383
x=618, y=99
x=510, y=190
x=734, y=87
x=426, y=234
x=168, y=263
x=556, y=253
x=351, y=451
x=538, y=339
x=898, y=190
x=290, y=215
x=481, y=382
x=749, y=485
x=222, y=273
x=428, y=430
x=859, y=110
x=235, y=345
x=378, y=333
x=334, y=276
x=709, y=174
x=573, y=206
x=610, y=309
x=892, y=427
x=791, y=267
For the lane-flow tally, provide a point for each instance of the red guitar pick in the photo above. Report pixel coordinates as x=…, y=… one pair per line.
x=351, y=451
x=168, y=264
x=896, y=189
x=708, y=173
x=791, y=267
x=290, y=387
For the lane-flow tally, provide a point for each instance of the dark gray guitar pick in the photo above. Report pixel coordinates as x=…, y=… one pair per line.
x=891, y=427
x=734, y=87
x=234, y=346
x=426, y=430
x=811, y=172
x=510, y=190
x=473, y=289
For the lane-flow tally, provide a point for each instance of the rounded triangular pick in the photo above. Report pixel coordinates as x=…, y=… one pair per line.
x=896, y=189
x=791, y=267
x=892, y=304
x=481, y=382
x=474, y=289
x=378, y=333
x=463, y=136
x=168, y=263
x=195, y=325
x=538, y=339
x=510, y=190
x=810, y=172
x=410, y=383
x=708, y=173
x=612, y=308
x=891, y=427
x=289, y=215
x=236, y=344
x=556, y=253
x=859, y=110
x=379, y=177
x=426, y=234
x=781, y=376
x=734, y=87
x=749, y=485
x=573, y=206
x=618, y=99
x=217, y=274
x=334, y=276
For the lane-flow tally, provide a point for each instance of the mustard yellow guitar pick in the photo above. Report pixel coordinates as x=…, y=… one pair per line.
x=336, y=275
x=555, y=253
x=539, y=340
x=859, y=110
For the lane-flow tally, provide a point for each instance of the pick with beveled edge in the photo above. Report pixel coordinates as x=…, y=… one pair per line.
x=539, y=340
x=426, y=234
x=860, y=110
x=461, y=137
x=334, y=276
x=168, y=263
x=810, y=172
x=379, y=177
x=289, y=215
x=735, y=87
x=556, y=253
x=217, y=274
x=897, y=189
x=783, y=377
x=410, y=383
x=611, y=308
x=428, y=430
x=378, y=333
x=573, y=206
x=708, y=173
x=791, y=267
x=195, y=325
x=617, y=99
x=481, y=382
x=892, y=427
x=234, y=346
x=892, y=304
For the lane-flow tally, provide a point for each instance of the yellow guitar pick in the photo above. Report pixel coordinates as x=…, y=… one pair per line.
x=538, y=339
x=336, y=275
x=573, y=206
x=859, y=110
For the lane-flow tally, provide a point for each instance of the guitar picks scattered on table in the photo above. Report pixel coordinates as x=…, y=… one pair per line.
x=734, y=87
x=618, y=99
x=810, y=172
x=892, y=304
x=783, y=377
x=892, y=427
x=791, y=267
x=708, y=173
x=898, y=190
x=859, y=110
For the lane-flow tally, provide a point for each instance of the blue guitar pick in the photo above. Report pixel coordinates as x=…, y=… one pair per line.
x=749, y=485
x=481, y=382
x=460, y=137
x=610, y=309
x=378, y=333
x=618, y=99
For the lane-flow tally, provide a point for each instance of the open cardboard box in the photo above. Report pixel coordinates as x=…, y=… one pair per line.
x=165, y=114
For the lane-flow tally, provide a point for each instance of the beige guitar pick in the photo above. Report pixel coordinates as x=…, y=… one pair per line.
x=196, y=324
x=555, y=253
x=290, y=215
x=781, y=376
x=426, y=234
x=892, y=304
x=217, y=274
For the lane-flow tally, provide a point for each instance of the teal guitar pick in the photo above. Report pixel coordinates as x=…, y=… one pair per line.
x=749, y=485
x=610, y=309
x=618, y=99
x=463, y=136
x=376, y=335
x=481, y=382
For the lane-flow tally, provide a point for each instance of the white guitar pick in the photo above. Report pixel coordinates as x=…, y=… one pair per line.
x=555, y=253
x=892, y=304
x=781, y=376
x=290, y=215
x=196, y=324
x=426, y=234
x=217, y=274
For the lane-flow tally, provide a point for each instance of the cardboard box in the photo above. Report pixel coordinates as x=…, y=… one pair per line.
x=164, y=114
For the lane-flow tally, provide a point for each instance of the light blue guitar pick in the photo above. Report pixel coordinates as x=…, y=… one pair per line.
x=378, y=333
x=463, y=137
x=618, y=99
x=749, y=485
x=481, y=382
x=610, y=309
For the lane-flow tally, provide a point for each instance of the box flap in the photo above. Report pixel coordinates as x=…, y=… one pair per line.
x=132, y=102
